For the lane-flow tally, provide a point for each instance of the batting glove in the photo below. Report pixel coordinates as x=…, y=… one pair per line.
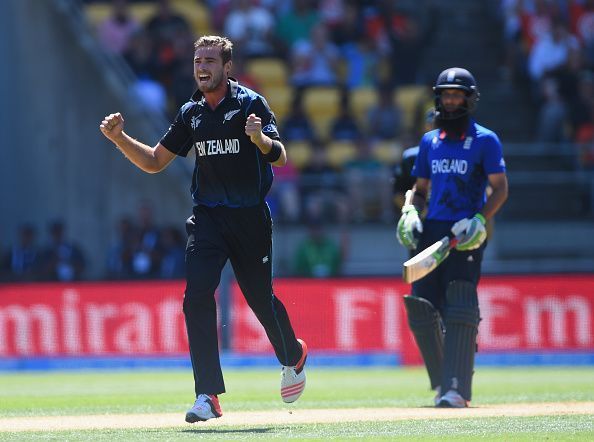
x=408, y=223
x=471, y=231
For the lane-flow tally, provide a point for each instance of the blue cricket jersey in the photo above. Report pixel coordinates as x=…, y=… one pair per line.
x=458, y=170
x=230, y=170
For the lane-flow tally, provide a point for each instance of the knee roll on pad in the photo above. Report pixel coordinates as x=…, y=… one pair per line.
x=462, y=317
x=425, y=323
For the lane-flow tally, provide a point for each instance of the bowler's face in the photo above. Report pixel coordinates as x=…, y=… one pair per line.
x=209, y=70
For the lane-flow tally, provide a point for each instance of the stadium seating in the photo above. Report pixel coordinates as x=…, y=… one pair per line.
x=340, y=153
x=195, y=12
x=322, y=105
x=362, y=99
x=408, y=97
x=387, y=151
x=269, y=72
x=299, y=153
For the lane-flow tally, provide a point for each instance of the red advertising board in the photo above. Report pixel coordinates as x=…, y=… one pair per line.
x=545, y=313
x=124, y=318
x=343, y=316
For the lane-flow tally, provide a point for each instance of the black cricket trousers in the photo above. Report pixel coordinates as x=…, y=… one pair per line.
x=244, y=236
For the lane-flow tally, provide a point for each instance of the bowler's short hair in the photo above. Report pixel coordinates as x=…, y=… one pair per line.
x=223, y=43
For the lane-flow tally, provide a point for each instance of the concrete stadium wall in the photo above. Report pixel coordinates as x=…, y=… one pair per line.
x=54, y=161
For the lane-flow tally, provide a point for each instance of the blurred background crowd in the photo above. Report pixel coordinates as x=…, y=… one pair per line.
x=350, y=84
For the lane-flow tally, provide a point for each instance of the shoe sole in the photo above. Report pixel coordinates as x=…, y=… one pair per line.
x=445, y=404
x=192, y=418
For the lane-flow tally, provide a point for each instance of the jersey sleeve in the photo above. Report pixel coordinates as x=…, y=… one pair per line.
x=421, y=168
x=493, y=155
x=259, y=106
x=178, y=138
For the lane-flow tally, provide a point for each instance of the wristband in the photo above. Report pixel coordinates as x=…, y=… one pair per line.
x=481, y=218
x=275, y=152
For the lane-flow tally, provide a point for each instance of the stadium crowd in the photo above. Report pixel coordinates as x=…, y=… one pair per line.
x=550, y=46
x=341, y=162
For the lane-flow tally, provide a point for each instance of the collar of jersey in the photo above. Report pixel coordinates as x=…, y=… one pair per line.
x=471, y=130
x=231, y=91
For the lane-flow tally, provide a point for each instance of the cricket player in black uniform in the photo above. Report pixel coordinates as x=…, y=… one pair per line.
x=402, y=173
x=234, y=134
x=456, y=162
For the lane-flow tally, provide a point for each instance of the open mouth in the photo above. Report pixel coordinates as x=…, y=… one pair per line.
x=203, y=78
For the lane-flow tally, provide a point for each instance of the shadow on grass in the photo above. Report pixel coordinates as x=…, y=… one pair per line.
x=229, y=430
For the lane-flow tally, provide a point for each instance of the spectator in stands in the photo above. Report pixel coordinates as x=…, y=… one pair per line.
x=322, y=193
x=173, y=264
x=141, y=58
x=21, y=262
x=297, y=125
x=536, y=22
x=182, y=72
x=553, y=116
x=584, y=139
x=315, y=60
x=115, y=31
x=584, y=101
x=368, y=185
x=551, y=51
x=384, y=120
x=251, y=27
x=62, y=259
x=359, y=57
x=163, y=29
x=283, y=197
x=147, y=251
x=318, y=255
x=345, y=127
x=119, y=259
x=297, y=24
x=584, y=29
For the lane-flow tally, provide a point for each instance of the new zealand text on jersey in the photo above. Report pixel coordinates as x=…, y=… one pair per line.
x=217, y=147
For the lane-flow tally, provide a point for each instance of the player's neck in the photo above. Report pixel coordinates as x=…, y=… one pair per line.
x=214, y=98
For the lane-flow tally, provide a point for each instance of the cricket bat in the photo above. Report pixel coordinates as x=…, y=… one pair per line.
x=427, y=260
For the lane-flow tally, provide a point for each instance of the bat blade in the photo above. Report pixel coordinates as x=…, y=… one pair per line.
x=427, y=260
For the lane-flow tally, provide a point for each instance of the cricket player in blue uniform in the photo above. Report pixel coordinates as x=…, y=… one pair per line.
x=456, y=162
x=235, y=138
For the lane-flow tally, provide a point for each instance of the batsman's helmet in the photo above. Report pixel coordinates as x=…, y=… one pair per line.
x=456, y=78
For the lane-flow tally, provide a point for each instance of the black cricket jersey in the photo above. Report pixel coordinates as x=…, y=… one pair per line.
x=230, y=170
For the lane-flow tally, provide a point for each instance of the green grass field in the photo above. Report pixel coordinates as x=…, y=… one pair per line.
x=111, y=393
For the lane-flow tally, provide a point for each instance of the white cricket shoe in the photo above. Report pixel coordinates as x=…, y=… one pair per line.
x=293, y=378
x=206, y=407
x=452, y=399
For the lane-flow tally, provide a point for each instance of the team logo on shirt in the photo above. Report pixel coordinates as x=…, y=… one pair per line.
x=269, y=128
x=467, y=143
x=195, y=122
x=229, y=115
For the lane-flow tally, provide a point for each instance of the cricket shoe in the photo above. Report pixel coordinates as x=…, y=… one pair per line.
x=452, y=399
x=206, y=407
x=293, y=378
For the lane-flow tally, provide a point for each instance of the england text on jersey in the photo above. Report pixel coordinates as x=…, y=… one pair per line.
x=449, y=165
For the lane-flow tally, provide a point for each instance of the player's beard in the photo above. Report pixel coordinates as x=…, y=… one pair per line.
x=453, y=127
x=215, y=81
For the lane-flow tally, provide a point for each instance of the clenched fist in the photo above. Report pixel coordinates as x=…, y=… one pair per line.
x=253, y=128
x=112, y=126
